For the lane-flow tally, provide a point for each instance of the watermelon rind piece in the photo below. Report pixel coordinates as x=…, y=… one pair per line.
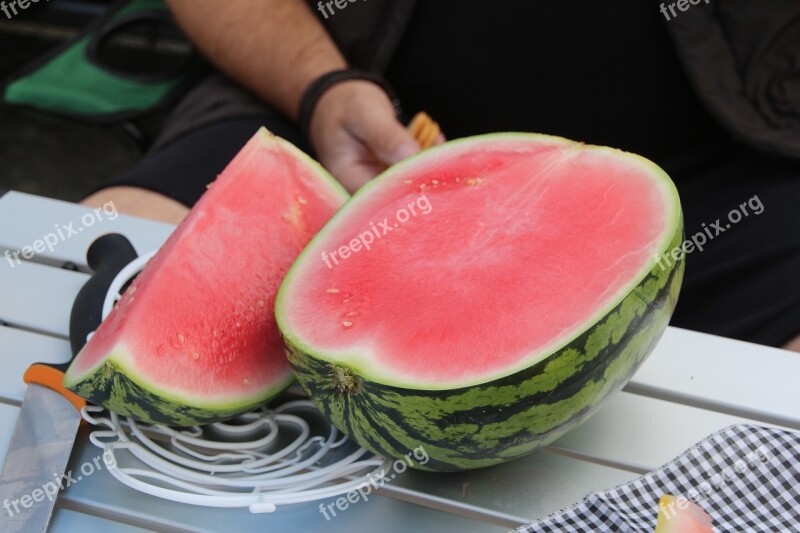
x=474, y=424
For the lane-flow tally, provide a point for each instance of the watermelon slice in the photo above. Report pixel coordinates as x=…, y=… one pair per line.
x=193, y=340
x=679, y=515
x=484, y=297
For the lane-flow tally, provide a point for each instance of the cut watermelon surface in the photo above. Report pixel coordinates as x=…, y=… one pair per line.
x=193, y=340
x=484, y=297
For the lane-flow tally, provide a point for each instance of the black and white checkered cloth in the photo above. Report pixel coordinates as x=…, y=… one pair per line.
x=746, y=477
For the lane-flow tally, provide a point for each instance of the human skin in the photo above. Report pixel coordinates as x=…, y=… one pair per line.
x=794, y=345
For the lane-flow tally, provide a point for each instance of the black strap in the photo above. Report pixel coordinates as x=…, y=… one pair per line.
x=319, y=86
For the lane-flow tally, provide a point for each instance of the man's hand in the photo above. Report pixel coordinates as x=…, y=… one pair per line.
x=277, y=48
x=356, y=133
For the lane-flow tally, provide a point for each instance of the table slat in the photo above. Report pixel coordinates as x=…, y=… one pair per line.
x=640, y=434
x=34, y=217
x=39, y=297
x=18, y=350
x=525, y=489
x=67, y=521
x=723, y=375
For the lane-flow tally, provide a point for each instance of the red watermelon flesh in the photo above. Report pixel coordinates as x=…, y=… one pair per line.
x=526, y=240
x=194, y=340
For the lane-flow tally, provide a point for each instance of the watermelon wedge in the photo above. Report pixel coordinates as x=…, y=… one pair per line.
x=484, y=297
x=193, y=339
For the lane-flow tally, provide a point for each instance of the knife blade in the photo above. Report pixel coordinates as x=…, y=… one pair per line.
x=37, y=457
x=48, y=422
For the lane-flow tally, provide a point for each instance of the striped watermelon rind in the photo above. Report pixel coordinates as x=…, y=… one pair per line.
x=482, y=425
x=503, y=418
x=118, y=389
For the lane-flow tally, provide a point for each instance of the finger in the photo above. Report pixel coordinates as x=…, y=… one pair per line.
x=386, y=137
x=391, y=142
x=354, y=175
x=352, y=163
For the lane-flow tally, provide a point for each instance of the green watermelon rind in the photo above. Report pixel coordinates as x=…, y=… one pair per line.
x=116, y=385
x=505, y=417
x=125, y=393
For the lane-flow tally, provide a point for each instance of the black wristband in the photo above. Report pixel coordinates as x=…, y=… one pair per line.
x=319, y=86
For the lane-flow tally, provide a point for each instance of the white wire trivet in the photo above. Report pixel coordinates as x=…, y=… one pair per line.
x=282, y=455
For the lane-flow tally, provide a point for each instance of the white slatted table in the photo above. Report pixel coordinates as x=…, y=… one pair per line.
x=692, y=386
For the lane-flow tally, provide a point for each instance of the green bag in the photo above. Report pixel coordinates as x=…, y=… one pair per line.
x=78, y=80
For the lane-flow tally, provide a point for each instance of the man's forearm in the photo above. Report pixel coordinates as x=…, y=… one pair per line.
x=273, y=47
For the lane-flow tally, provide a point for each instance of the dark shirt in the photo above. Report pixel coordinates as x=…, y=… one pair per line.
x=599, y=71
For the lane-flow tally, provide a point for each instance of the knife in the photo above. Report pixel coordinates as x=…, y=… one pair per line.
x=33, y=473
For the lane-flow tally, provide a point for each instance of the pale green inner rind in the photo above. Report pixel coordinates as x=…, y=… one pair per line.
x=671, y=237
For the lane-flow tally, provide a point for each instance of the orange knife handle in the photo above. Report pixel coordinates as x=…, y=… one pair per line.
x=52, y=378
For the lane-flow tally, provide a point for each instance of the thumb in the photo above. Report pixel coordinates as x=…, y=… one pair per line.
x=388, y=139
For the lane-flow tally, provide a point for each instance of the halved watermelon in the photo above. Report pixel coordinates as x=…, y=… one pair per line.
x=484, y=297
x=193, y=340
